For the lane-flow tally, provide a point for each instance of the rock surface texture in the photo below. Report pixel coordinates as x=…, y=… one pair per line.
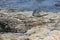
x=40, y=26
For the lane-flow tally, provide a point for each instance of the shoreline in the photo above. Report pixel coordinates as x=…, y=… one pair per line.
x=24, y=26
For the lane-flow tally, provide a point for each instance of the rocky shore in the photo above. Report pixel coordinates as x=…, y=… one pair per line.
x=28, y=26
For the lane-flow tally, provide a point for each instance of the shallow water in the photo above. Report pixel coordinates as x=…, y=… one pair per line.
x=29, y=5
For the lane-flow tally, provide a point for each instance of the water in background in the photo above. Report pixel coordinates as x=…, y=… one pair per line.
x=29, y=5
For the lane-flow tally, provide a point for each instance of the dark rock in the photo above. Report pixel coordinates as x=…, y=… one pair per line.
x=12, y=10
x=6, y=25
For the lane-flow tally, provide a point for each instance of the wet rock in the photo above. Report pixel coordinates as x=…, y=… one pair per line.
x=38, y=14
x=11, y=10
x=9, y=25
x=4, y=26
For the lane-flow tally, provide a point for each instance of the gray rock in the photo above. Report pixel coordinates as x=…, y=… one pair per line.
x=20, y=16
x=3, y=15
